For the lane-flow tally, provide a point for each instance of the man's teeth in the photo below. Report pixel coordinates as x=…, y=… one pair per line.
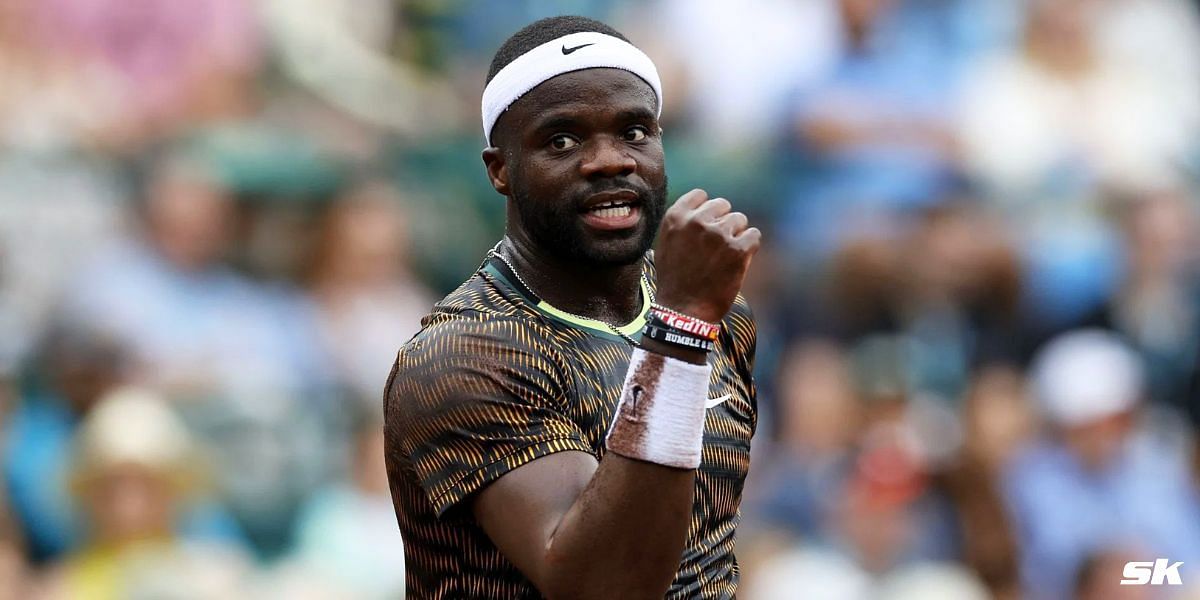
x=614, y=212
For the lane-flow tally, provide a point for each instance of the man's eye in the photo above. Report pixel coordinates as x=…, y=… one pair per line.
x=563, y=142
x=635, y=134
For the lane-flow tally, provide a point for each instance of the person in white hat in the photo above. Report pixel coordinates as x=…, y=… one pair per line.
x=1088, y=384
x=1093, y=486
x=135, y=468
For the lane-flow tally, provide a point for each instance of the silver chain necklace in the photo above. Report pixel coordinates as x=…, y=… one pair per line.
x=495, y=251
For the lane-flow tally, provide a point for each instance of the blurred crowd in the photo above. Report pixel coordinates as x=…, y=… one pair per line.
x=978, y=301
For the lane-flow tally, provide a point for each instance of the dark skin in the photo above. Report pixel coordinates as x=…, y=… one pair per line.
x=575, y=526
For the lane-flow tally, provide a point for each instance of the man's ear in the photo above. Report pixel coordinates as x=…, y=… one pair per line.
x=497, y=169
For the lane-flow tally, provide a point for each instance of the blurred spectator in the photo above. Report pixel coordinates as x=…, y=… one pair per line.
x=873, y=130
x=735, y=90
x=1057, y=110
x=1095, y=485
x=886, y=517
x=368, y=300
x=240, y=359
x=167, y=63
x=1048, y=125
x=54, y=212
x=998, y=423
x=998, y=417
x=961, y=298
x=852, y=475
x=78, y=367
x=950, y=286
x=819, y=420
x=354, y=40
x=346, y=534
x=1157, y=305
x=134, y=469
x=193, y=324
x=1160, y=39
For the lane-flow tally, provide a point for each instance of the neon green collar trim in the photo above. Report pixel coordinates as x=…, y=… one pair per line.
x=631, y=329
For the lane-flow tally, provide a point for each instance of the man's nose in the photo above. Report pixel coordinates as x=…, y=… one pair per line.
x=607, y=157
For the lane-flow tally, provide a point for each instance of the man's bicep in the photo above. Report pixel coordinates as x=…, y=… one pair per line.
x=521, y=510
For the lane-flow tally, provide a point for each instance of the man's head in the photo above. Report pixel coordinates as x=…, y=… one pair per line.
x=82, y=362
x=188, y=213
x=584, y=138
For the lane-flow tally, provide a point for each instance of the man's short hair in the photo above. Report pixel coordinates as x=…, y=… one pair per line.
x=541, y=31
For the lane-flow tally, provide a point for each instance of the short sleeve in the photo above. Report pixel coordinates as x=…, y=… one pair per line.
x=744, y=336
x=470, y=400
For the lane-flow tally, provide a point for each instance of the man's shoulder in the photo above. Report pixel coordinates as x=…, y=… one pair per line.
x=483, y=335
x=477, y=306
x=478, y=296
x=476, y=362
x=477, y=331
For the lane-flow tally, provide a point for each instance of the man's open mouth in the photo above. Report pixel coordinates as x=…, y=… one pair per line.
x=612, y=210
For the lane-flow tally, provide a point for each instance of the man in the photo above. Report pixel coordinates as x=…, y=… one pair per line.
x=575, y=419
x=1103, y=483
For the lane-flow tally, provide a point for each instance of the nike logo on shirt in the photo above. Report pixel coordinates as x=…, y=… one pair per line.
x=711, y=402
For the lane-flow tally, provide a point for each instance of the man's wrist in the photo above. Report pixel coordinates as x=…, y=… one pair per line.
x=660, y=417
x=692, y=355
x=698, y=310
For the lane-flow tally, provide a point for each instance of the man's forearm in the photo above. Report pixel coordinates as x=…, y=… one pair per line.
x=625, y=534
x=626, y=531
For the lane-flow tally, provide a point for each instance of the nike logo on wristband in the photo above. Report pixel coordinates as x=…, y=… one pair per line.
x=711, y=402
x=566, y=50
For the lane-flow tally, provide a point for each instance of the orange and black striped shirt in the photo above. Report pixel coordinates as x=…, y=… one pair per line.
x=497, y=378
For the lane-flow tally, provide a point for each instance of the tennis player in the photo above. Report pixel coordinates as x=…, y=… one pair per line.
x=574, y=421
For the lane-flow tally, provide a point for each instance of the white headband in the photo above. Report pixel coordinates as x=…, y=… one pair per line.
x=573, y=52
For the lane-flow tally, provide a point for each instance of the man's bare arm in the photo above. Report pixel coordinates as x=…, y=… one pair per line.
x=582, y=530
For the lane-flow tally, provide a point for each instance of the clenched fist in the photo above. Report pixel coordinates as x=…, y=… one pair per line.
x=704, y=249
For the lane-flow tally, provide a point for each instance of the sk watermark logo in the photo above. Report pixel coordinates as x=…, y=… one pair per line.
x=1152, y=573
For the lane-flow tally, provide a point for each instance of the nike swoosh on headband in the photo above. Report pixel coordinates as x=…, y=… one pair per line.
x=711, y=402
x=566, y=50
x=558, y=56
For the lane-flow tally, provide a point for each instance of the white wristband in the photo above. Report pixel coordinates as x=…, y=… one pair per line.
x=660, y=417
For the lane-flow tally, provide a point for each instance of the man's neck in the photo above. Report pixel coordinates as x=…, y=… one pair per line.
x=609, y=294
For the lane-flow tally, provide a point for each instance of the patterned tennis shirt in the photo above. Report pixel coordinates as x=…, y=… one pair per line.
x=497, y=378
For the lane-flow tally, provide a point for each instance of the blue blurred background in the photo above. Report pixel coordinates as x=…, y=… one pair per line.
x=978, y=300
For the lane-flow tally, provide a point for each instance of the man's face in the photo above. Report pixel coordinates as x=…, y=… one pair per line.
x=584, y=166
x=189, y=218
